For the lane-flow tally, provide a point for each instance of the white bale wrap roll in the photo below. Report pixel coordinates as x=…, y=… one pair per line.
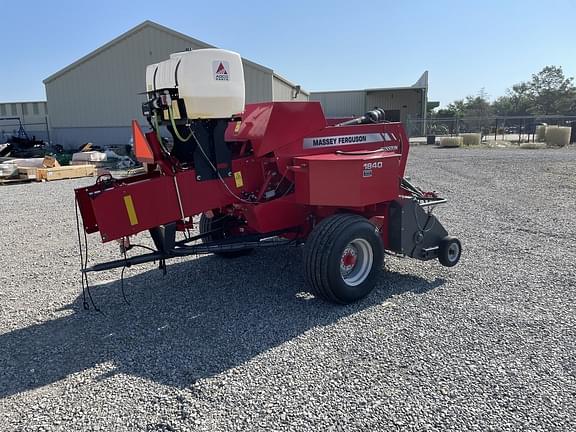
x=558, y=136
x=471, y=139
x=541, y=132
x=451, y=141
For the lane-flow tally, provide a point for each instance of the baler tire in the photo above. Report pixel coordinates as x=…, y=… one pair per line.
x=324, y=257
x=449, y=251
x=208, y=224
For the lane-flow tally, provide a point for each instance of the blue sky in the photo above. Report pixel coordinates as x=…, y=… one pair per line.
x=322, y=45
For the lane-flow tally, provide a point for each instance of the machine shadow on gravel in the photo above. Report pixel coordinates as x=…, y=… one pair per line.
x=204, y=317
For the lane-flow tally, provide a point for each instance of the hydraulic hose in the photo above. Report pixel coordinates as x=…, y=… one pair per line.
x=173, y=123
x=157, y=128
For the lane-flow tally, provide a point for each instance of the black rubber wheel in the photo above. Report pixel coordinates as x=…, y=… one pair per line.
x=449, y=251
x=342, y=258
x=221, y=227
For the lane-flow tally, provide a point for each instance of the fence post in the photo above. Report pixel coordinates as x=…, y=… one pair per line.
x=47, y=129
x=496, y=130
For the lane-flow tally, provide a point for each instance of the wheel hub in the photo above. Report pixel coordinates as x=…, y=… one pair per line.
x=348, y=260
x=453, y=252
x=356, y=261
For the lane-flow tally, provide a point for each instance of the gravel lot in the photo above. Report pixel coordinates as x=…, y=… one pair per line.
x=238, y=344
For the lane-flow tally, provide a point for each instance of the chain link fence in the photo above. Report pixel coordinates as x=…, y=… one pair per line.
x=496, y=128
x=11, y=126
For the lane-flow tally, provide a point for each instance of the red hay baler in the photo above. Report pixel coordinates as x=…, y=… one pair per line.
x=273, y=174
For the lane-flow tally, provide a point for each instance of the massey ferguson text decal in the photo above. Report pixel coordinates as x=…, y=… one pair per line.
x=221, y=69
x=340, y=140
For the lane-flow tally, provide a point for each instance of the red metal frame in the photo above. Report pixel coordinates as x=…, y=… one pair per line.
x=299, y=171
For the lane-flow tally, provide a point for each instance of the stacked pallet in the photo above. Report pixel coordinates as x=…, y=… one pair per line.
x=27, y=173
x=40, y=169
x=65, y=172
x=8, y=172
x=20, y=170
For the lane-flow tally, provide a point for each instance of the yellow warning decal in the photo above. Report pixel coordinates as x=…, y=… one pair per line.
x=238, y=179
x=237, y=127
x=130, y=209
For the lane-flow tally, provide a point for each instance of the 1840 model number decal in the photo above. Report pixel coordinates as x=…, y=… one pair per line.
x=372, y=165
x=369, y=166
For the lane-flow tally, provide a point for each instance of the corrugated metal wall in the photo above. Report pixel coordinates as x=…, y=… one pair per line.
x=410, y=102
x=341, y=104
x=284, y=91
x=407, y=101
x=31, y=114
x=74, y=137
x=27, y=111
x=104, y=91
x=258, y=84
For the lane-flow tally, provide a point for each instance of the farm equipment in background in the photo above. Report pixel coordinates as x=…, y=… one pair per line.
x=264, y=175
x=20, y=145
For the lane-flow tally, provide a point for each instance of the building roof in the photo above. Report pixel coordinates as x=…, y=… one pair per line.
x=129, y=33
x=421, y=84
x=22, y=102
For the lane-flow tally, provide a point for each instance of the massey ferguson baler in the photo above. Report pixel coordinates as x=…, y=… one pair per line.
x=263, y=175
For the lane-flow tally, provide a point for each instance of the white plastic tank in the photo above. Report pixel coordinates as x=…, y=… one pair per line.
x=166, y=73
x=150, y=71
x=210, y=81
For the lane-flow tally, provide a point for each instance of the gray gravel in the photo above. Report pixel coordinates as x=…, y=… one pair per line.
x=219, y=345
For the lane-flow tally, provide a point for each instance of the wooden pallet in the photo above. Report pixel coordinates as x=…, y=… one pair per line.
x=65, y=172
x=27, y=172
x=9, y=181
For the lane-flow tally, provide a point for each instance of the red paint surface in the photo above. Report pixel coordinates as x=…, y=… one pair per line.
x=324, y=180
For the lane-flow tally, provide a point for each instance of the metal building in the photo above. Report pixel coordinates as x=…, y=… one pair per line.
x=32, y=115
x=400, y=103
x=95, y=98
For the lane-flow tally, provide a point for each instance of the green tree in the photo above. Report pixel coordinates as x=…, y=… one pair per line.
x=444, y=113
x=477, y=107
x=550, y=92
x=471, y=106
x=516, y=102
x=458, y=108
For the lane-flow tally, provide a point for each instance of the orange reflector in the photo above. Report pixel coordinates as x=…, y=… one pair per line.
x=142, y=149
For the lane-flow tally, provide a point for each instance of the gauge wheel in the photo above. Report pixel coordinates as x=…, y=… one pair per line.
x=449, y=251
